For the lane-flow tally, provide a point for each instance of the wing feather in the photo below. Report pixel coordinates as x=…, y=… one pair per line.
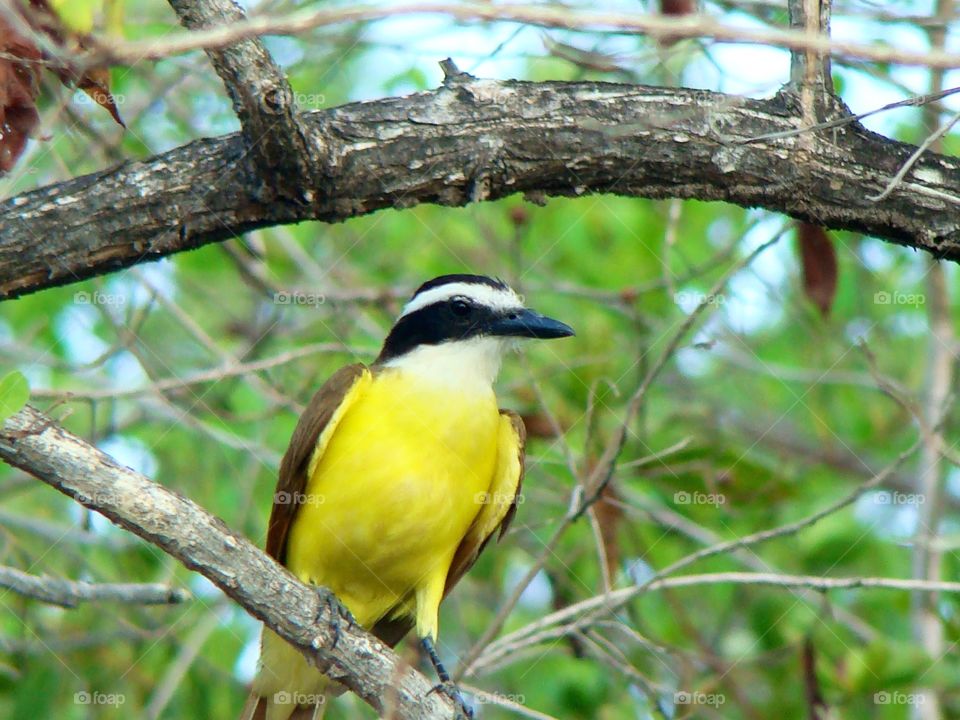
x=307, y=444
x=501, y=501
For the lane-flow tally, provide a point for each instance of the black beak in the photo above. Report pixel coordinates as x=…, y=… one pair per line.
x=529, y=324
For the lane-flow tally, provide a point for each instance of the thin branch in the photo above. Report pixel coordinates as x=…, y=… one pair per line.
x=656, y=26
x=579, y=616
x=505, y=701
x=188, y=652
x=914, y=101
x=227, y=369
x=612, y=601
x=70, y=593
x=809, y=582
x=930, y=140
x=927, y=559
x=607, y=465
x=585, y=494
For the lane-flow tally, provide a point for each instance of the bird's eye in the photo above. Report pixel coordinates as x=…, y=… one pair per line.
x=460, y=307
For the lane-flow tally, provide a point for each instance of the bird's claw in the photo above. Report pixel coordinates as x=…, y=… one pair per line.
x=338, y=612
x=450, y=689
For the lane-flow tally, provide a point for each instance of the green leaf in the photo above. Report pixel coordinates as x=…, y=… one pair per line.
x=14, y=393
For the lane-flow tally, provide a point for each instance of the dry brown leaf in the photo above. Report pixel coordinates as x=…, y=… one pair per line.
x=676, y=8
x=20, y=65
x=96, y=84
x=818, y=258
x=609, y=515
x=19, y=87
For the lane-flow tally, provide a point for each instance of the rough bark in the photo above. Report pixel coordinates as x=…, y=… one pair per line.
x=262, y=100
x=482, y=139
x=301, y=614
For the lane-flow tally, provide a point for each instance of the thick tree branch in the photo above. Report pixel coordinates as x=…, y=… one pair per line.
x=261, y=97
x=483, y=139
x=301, y=614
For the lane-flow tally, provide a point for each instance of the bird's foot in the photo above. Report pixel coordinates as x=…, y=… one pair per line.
x=338, y=613
x=450, y=689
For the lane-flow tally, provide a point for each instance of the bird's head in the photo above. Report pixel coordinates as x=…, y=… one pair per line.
x=465, y=319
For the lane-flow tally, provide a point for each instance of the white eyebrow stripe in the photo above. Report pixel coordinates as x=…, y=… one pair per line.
x=496, y=298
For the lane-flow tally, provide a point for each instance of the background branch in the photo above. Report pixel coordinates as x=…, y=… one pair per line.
x=657, y=26
x=70, y=593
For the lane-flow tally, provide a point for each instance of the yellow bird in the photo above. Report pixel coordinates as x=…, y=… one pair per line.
x=396, y=477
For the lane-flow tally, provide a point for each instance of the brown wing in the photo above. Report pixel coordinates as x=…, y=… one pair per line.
x=293, y=468
x=501, y=505
x=495, y=515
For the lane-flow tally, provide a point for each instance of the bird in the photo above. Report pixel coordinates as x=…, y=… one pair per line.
x=396, y=477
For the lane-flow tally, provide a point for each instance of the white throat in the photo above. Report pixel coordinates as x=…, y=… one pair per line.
x=466, y=364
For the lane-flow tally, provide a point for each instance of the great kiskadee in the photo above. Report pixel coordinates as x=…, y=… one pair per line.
x=398, y=475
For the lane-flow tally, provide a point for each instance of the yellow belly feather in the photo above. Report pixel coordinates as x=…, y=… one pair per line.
x=386, y=505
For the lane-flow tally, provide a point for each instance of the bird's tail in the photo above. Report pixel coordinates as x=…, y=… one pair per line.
x=255, y=709
x=287, y=687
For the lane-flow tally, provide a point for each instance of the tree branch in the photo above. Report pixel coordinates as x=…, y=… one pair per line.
x=481, y=140
x=656, y=26
x=70, y=593
x=181, y=528
x=262, y=100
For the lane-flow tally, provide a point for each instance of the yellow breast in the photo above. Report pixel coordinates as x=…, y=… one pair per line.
x=400, y=482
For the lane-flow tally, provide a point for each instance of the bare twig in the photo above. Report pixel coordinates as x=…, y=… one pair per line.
x=227, y=369
x=927, y=557
x=656, y=26
x=167, y=685
x=608, y=603
x=70, y=593
x=929, y=142
x=583, y=496
x=915, y=101
x=608, y=463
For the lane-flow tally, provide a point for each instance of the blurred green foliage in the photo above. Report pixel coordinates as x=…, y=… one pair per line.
x=766, y=414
